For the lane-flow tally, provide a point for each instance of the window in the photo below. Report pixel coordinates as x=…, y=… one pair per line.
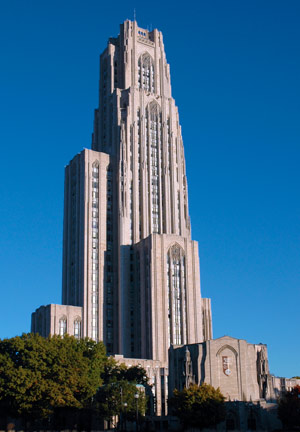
x=77, y=329
x=146, y=73
x=109, y=259
x=63, y=326
x=95, y=256
x=153, y=116
x=176, y=294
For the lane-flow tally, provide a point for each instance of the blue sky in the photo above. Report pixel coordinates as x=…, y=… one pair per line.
x=235, y=69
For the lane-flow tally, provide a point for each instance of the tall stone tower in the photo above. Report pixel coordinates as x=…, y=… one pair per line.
x=128, y=259
x=130, y=268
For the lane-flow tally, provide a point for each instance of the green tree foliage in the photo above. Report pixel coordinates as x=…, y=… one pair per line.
x=199, y=406
x=118, y=398
x=289, y=408
x=38, y=375
x=117, y=394
x=114, y=372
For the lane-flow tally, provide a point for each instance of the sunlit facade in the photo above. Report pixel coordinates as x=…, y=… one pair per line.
x=129, y=263
x=128, y=258
x=131, y=275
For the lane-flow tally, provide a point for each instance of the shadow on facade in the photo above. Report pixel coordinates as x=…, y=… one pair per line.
x=240, y=416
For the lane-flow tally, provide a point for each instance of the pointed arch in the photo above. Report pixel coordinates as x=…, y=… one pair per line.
x=62, y=325
x=227, y=347
x=146, y=75
x=176, y=251
x=153, y=109
x=77, y=327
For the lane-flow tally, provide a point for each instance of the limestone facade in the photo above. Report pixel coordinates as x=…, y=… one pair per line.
x=137, y=124
x=128, y=258
x=159, y=329
x=238, y=368
x=131, y=274
x=57, y=319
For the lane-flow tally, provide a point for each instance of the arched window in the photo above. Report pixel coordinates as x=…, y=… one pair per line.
x=146, y=73
x=176, y=294
x=77, y=328
x=63, y=326
x=153, y=138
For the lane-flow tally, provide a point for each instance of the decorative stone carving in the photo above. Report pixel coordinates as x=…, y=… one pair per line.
x=262, y=372
x=188, y=369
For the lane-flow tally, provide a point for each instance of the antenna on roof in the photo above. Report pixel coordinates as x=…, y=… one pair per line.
x=134, y=15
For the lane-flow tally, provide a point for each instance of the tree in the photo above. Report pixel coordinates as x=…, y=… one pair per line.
x=117, y=395
x=114, y=372
x=199, y=406
x=38, y=375
x=111, y=399
x=289, y=408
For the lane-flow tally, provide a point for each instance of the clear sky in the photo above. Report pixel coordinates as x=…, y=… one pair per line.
x=235, y=70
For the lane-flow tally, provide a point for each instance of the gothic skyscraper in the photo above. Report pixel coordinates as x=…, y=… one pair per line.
x=130, y=268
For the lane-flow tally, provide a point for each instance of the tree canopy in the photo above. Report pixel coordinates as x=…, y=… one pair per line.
x=38, y=375
x=199, y=406
x=121, y=385
x=53, y=378
x=114, y=372
x=289, y=408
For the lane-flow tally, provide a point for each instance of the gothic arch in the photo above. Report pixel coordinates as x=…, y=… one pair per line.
x=153, y=108
x=175, y=250
x=227, y=347
x=77, y=327
x=62, y=325
x=146, y=75
x=146, y=59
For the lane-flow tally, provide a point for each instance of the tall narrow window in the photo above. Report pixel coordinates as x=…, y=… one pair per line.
x=153, y=132
x=63, y=326
x=108, y=262
x=95, y=252
x=146, y=76
x=139, y=170
x=77, y=328
x=176, y=294
x=73, y=292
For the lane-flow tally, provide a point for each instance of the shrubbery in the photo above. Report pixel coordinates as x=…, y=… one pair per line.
x=199, y=406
